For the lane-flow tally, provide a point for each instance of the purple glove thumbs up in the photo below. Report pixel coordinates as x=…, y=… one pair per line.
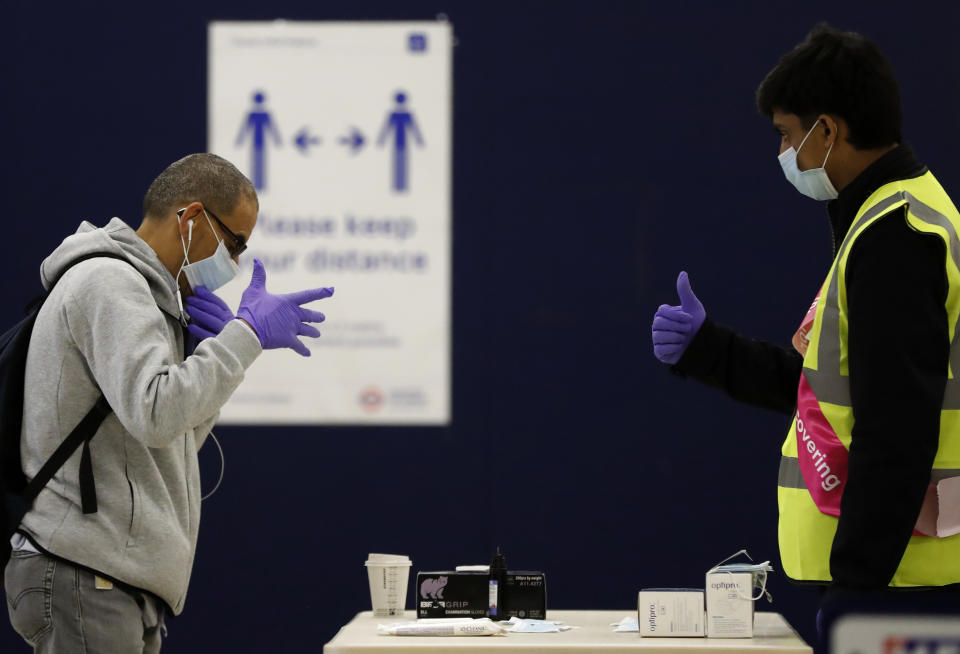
x=689, y=302
x=675, y=326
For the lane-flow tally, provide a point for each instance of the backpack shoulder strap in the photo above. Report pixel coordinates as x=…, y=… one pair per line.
x=81, y=434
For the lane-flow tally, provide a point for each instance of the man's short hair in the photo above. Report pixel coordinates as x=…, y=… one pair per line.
x=201, y=177
x=839, y=73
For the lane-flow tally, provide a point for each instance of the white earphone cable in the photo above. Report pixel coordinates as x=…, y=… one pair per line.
x=223, y=467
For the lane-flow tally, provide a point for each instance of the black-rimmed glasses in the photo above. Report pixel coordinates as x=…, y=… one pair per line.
x=239, y=243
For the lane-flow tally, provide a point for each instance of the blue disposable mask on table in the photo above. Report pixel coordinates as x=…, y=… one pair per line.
x=814, y=183
x=212, y=272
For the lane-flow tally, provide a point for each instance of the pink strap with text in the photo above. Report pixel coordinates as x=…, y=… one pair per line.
x=822, y=457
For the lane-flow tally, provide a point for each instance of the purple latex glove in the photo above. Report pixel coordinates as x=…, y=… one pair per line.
x=675, y=326
x=208, y=313
x=279, y=319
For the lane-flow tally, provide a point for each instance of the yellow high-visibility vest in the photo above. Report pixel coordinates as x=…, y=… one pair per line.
x=805, y=533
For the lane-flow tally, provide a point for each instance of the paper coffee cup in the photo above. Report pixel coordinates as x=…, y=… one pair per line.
x=388, y=575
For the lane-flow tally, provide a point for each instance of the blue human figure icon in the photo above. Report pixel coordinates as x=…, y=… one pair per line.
x=259, y=123
x=399, y=121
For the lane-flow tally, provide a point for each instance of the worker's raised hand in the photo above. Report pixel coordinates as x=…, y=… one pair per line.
x=208, y=313
x=279, y=319
x=675, y=326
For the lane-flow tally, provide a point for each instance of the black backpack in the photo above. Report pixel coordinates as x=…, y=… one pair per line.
x=18, y=495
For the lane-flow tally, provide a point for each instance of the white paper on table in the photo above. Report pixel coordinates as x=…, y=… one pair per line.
x=627, y=624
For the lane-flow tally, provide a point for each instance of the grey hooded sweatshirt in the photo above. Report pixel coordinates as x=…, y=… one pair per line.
x=114, y=328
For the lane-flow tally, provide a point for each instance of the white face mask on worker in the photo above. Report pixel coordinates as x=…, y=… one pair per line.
x=814, y=183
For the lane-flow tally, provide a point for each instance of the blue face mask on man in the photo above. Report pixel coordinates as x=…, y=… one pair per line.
x=814, y=183
x=212, y=272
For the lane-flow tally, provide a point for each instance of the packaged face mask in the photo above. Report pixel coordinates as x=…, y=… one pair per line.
x=518, y=625
x=450, y=627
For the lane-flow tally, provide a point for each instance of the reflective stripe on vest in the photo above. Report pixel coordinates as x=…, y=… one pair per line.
x=806, y=532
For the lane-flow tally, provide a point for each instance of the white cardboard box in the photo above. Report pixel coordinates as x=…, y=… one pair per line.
x=729, y=609
x=665, y=612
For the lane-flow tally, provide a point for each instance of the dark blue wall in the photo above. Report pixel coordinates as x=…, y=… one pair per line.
x=599, y=148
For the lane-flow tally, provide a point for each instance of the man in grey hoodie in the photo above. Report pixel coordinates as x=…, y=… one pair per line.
x=101, y=582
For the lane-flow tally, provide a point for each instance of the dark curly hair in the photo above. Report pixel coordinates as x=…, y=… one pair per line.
x=840, y=73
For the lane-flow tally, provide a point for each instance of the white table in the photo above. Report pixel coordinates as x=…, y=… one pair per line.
x=772, y=634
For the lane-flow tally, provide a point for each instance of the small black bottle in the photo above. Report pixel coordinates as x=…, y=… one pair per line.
x=498, y=574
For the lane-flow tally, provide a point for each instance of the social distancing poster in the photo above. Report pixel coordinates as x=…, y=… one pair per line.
x=345, y=130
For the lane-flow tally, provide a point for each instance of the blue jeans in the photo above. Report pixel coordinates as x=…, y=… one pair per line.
x=57, y=607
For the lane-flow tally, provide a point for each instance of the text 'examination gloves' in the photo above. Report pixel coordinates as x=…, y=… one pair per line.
x=279, y=319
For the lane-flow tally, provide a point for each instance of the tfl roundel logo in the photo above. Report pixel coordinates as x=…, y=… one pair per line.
x=371, y=399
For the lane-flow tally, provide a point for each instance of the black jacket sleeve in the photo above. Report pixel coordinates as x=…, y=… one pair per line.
x=758, y=373
x=898, y=354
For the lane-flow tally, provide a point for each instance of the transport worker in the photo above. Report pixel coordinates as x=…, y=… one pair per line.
x=98, y=573
x=873, y=378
